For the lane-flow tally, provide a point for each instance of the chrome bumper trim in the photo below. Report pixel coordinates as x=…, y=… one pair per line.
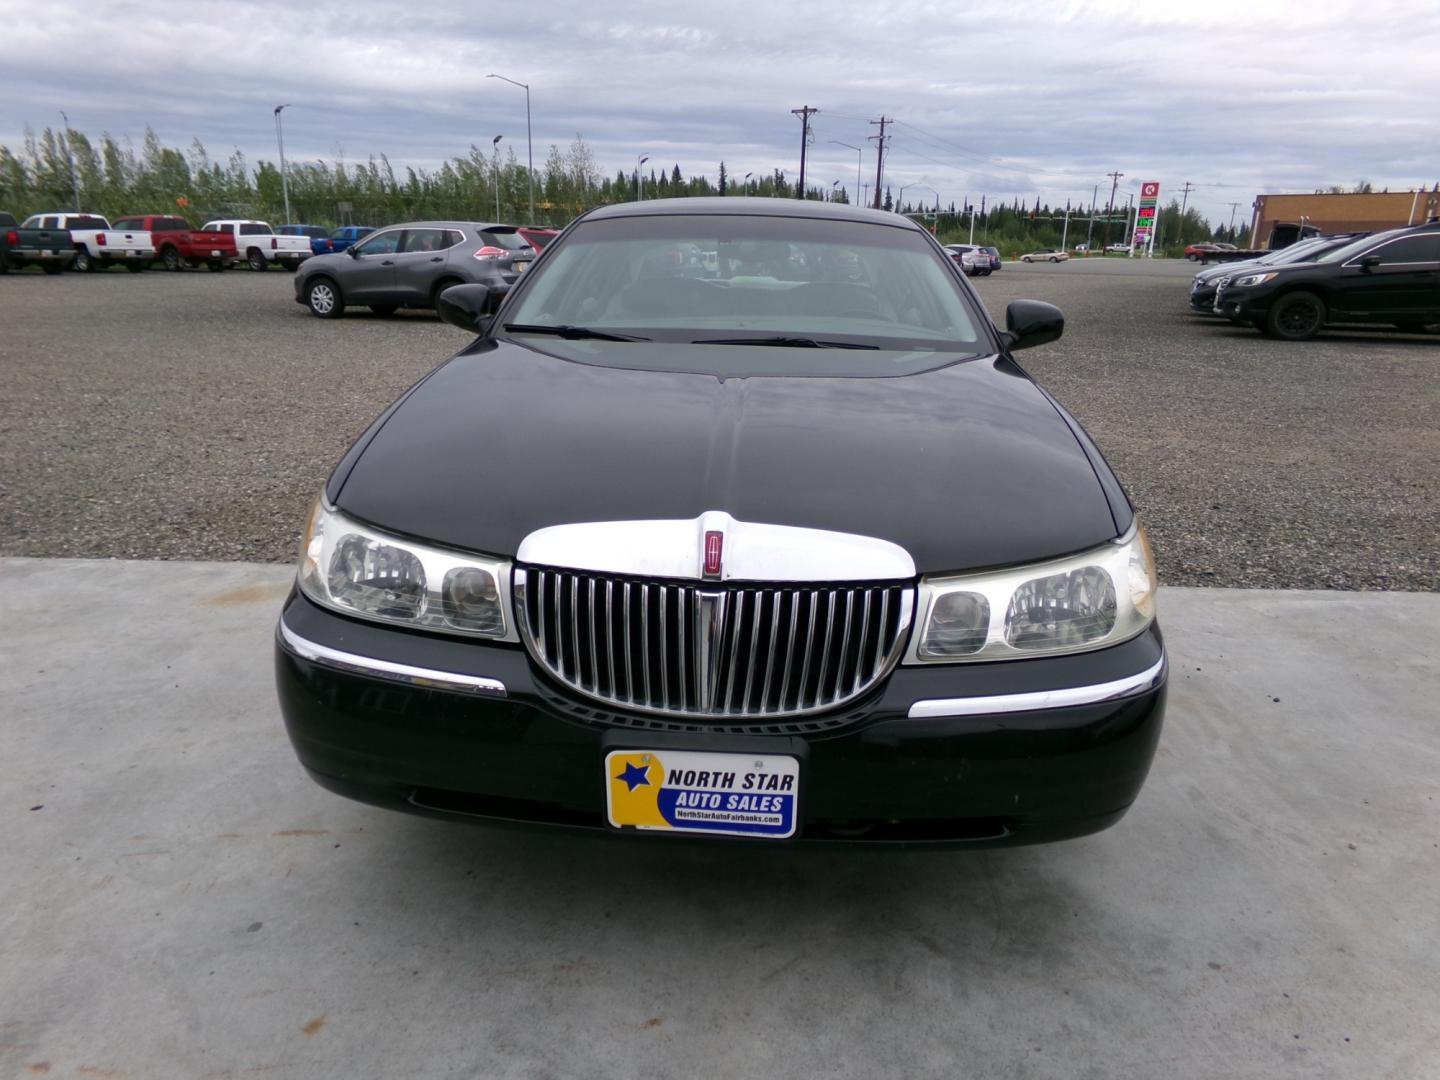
x=386, y=669
x=1042, y=699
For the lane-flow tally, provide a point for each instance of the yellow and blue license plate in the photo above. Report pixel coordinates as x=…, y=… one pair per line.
x=724, y=794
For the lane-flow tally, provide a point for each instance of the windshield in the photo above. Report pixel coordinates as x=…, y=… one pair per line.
x=785, y=285
x=508, y=239
x=1304, y=251
x=1340, y=254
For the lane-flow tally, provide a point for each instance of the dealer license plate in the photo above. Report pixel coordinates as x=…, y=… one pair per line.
x=713, y=794
x=215, y=254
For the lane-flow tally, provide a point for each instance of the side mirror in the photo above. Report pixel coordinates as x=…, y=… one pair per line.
x=1369, y=262
x=1029, y=323
x=352, y=252
x=470, y=307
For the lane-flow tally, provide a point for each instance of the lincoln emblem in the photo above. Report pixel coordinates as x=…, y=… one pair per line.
x=714, y=549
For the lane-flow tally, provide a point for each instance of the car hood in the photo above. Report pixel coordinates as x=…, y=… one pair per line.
x=964, y=466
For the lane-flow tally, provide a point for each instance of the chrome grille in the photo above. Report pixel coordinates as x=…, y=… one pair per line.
x=712, y=650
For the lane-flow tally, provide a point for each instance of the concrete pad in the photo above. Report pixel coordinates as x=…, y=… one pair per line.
x=178, y=900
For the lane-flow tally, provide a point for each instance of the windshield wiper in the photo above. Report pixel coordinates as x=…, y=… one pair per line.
x=569, y=333
x=785, y=342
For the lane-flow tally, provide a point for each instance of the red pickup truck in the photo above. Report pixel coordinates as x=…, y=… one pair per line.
x=178, y=246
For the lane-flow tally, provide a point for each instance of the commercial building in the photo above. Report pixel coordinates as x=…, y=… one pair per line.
x=1359, y=212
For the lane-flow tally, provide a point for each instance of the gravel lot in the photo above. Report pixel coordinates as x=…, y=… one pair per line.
x=195, y=416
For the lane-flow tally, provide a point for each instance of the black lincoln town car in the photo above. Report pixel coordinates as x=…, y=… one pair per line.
x=738, y=519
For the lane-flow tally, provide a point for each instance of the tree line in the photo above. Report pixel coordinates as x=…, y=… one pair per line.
x=115, y=178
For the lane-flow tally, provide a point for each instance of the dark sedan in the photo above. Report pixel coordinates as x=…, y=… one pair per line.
x=410, y=266
x=798, y=552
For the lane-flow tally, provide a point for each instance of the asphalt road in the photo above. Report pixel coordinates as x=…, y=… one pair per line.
x=196, y=415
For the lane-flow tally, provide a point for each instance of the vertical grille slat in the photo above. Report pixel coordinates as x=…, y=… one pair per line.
x=772, y=649
x=645, y=637
x=594, y=633
x=736, y=623
x=628, y=628
x=610, y=636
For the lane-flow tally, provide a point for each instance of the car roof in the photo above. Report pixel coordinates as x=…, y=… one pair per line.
x=802, y=208
x=441, y=225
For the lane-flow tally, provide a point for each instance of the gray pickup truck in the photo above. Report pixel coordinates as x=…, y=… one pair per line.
x=50, y=249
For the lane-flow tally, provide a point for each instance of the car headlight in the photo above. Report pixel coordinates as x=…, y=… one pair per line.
x=1253, y=279
x=1086, y=601
x=352, y=568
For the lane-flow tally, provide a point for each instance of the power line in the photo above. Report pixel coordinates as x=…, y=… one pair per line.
x=953, y=146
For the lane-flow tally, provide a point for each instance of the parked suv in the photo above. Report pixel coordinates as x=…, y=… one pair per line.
x=410, y=266
x=1391, y=277
x=1205, y=284
x=972, y=259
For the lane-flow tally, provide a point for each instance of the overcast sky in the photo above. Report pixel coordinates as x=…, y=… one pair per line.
x=1020, y=97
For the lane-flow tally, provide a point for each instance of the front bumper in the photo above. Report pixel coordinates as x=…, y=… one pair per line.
x=975, y=755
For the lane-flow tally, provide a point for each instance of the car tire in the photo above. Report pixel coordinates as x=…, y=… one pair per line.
x=171, y=259
x=83, y=261
x=322, y=297
x=1193, y=258
x=1295, y=316
x=1053, y=259
x=440, y=287
x=255, y=259
x=1025, y=258
x=384, y=310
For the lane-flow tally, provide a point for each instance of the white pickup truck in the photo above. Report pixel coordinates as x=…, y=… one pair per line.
x=96, y=244
x=257, y=246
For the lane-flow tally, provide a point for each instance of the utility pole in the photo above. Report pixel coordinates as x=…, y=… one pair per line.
x=804, y=114
x=879, y=141
x=1110, y=206
x=1233, y=207
x=75, y=184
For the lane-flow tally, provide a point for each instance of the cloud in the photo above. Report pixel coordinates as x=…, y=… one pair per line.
x=1015, y=98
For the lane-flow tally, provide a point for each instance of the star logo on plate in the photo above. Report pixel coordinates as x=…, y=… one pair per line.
x=635, y=776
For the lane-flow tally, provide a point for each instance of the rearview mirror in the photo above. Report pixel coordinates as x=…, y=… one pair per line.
x=1029, y=323
x=1369, y=261
x=470, y=307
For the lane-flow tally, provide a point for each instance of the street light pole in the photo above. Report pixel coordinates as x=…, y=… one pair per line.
x=70, y=156
x=747, y=183
x=495, y=149
x=280, y=138
x=529, y=141
x=859, y=179
x=639, y=186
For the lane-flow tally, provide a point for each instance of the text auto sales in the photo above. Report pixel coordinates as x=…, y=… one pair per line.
x=730, y=796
